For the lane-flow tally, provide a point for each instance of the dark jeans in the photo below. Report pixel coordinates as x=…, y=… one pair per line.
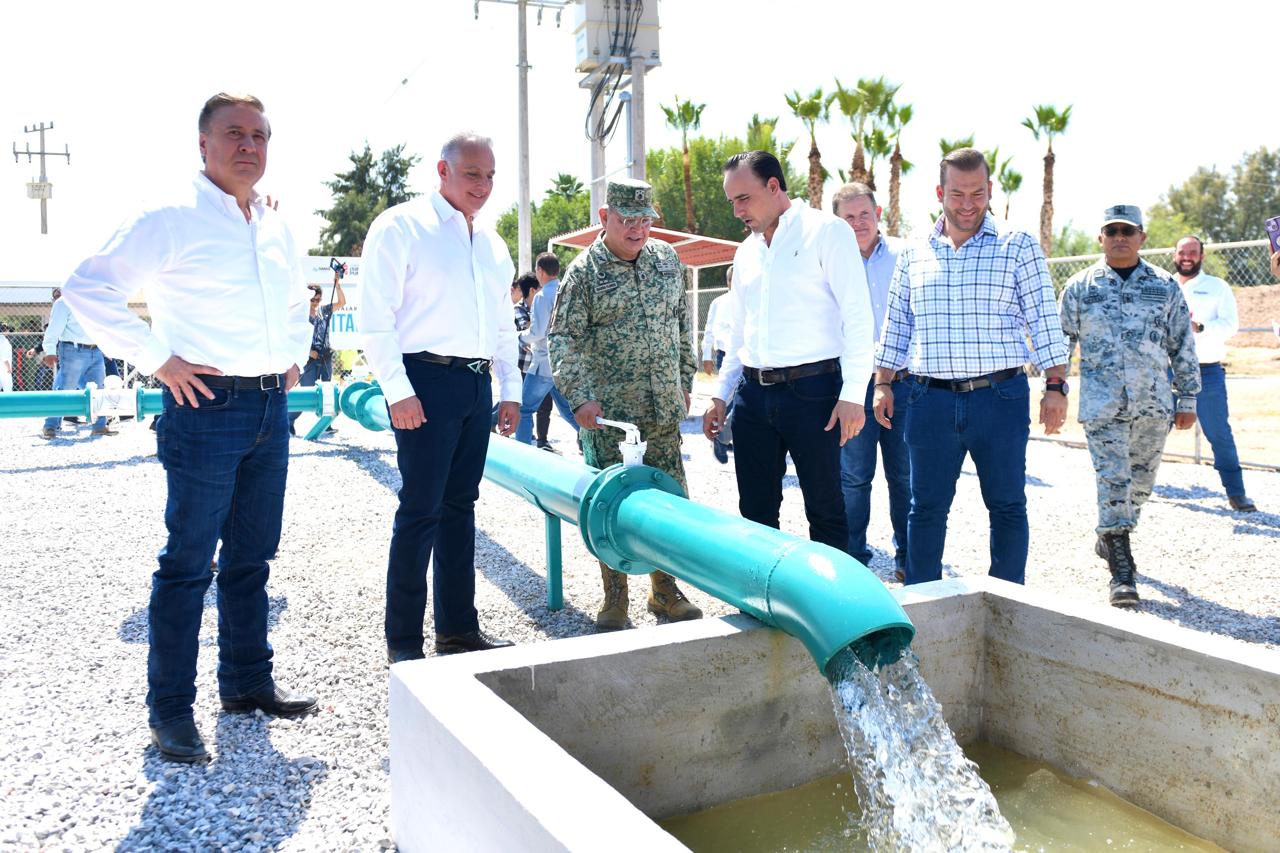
x=226, y=464
x=1211, y=410
x=768, y=422
x=317, y=370
x=858, y=470
x=992, y=425
x=441, y=463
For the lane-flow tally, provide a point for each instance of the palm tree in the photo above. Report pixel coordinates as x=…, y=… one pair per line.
x=686, y=116
x=949, y=145
x=811, y=110
x=1050, y=122
x=876, y=144
x=566, y=185
x=1010, y=183
x=867, y=102
x=896, y=119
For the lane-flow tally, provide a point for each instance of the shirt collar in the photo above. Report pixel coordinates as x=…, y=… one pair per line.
x=987, y=229
x=227, y=201
x=880, y=248
x=443, y=209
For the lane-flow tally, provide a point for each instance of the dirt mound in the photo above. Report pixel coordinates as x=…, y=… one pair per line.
x=1259, y=307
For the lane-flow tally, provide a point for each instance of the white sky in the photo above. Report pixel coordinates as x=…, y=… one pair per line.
x=1157, y=92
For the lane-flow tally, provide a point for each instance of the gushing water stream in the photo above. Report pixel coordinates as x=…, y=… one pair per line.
x=917, y=789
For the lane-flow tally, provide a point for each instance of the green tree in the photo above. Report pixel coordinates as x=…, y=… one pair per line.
x=1049, y=123
x=360, y=194
x=686, y=116
x=811, y=110
x=557, y=214
x=946, y=146
x=1010, y=181
x=567, y=186
x=865, y=105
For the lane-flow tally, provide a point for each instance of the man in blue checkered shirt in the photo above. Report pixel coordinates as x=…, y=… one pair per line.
x=961, y=307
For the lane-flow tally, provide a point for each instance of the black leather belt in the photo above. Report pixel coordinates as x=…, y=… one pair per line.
x=475, y=365
x=778, y=375
x=265, y=382
x=963, y=386
x=79, y=346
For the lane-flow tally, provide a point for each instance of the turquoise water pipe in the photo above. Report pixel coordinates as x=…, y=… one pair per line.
x=52, y=404
x=637, y=520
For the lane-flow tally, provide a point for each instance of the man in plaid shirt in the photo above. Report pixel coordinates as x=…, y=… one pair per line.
x=961, y=307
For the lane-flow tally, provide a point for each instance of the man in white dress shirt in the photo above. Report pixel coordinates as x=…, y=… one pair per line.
x=799, y=350
x=228, y=302
x=1214, y=319
x=435, y=319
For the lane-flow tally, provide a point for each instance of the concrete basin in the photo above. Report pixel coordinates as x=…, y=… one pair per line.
x=581, y=744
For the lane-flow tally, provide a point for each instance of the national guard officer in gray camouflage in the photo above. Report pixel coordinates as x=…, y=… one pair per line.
x=1132, y=325
x=619, y=343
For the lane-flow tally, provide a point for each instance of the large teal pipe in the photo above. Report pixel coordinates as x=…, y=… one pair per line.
x=637, y=520
x=52, y=404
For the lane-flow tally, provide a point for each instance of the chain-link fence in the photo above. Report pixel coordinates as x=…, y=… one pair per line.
x=1242, y=264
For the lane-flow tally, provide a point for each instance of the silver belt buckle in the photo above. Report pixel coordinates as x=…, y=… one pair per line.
x=767, y=382
x=263, y=380
x=478, y=366
x=962, y=386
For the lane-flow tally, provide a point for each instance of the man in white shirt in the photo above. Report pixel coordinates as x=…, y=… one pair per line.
x=435, y=318
x=714, y=340
x=799, y=349
x=77, y=359
x=1214, y=320
x=228, y=302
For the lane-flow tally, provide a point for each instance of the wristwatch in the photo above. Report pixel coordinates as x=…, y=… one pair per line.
x=1059, y=385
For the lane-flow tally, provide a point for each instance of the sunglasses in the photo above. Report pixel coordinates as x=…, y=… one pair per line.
x=1123, y=230
x=636, y=222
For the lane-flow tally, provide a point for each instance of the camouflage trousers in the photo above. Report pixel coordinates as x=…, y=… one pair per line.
x=600, y=448
x=1126, y=456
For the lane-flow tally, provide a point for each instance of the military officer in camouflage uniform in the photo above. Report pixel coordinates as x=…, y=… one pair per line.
x=619, y=343
x=1132, y=325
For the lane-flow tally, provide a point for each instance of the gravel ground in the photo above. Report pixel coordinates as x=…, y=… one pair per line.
x=83, y=523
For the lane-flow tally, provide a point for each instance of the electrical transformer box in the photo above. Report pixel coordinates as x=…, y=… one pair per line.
x=612, y=31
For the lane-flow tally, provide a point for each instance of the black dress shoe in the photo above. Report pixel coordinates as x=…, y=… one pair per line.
x=1241, y=503
x=472, y=641
x=179, y=741
x=275, y=700
x=399, y=655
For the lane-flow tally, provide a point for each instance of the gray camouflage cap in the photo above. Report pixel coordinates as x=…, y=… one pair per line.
x=629, y=197
x=1129, y=214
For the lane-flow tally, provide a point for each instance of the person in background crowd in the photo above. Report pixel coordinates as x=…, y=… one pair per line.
x=1132, y=326
x=1213, y=319
x=77, y=358
x=228, y=331
x=6, y=359
x=538, y=382
x=715, y=338
x=320, y=356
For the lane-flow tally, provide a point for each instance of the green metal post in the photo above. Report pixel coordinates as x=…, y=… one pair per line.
x=555, y=589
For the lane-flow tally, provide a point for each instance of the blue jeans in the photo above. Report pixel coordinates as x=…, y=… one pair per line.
x=535, y=390
x=440, y=463
x=1211, y=410
x=858, y=469
x=77, y=367
x=317, y=370
x=225, y=464
x=768, y=422
x=992, y=425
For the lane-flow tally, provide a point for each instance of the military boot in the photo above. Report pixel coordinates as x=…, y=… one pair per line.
x=1100, y=547
x=667, y=600
x=613, y=613
x=1124, y=589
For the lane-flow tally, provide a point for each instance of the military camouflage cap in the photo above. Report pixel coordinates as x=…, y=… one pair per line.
x=1129, y=214
x=630, y=197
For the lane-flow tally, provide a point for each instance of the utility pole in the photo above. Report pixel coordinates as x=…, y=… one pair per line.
x=524, y=210
x=41, y=189
x=637, y=116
